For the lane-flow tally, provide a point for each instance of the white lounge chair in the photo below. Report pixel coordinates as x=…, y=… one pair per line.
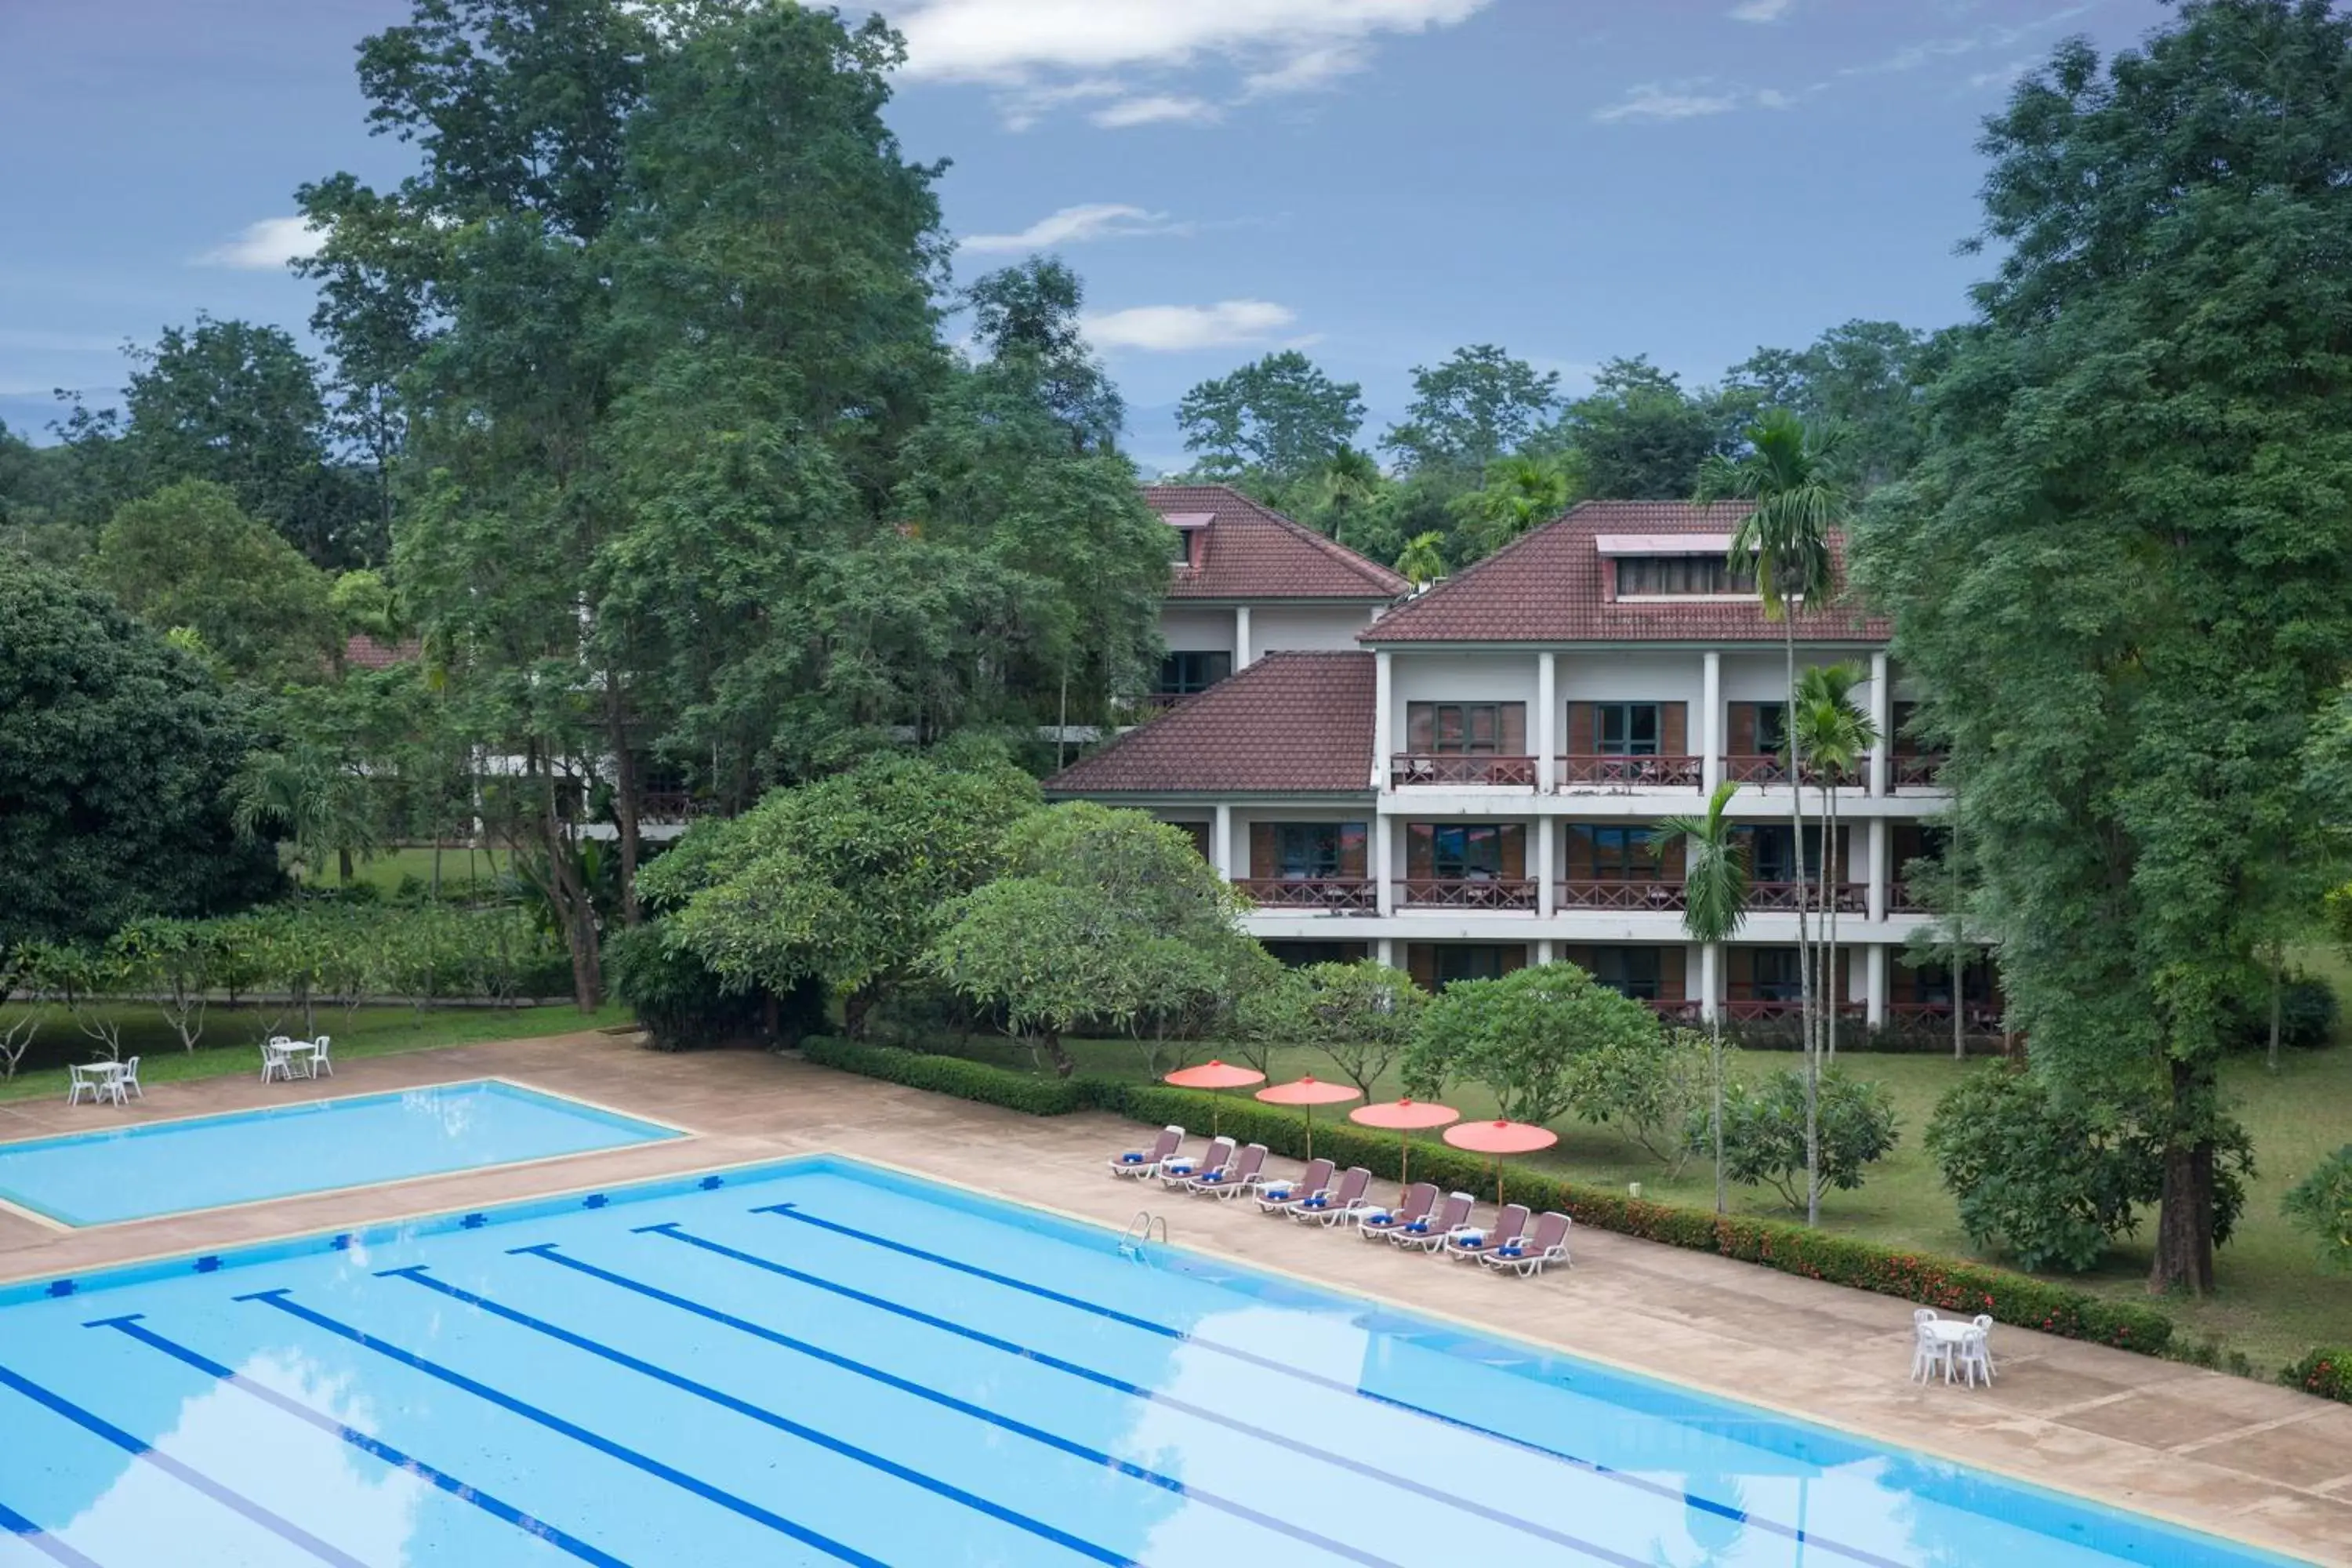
x=1278, y=1194
x=1472, y=1242
x=1543, y=1246
x=1178, y=1172
x=1145, y=1162
x=1373, y=1223
x=1340, y=1203
x=1429, y=1234
x=1238, y=1174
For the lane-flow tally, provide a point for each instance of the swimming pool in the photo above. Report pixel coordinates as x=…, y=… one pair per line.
x=822, y=1363
x=207, y=1162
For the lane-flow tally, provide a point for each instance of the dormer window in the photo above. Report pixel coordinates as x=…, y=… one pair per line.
x=1190, y=528
x=1646, y=566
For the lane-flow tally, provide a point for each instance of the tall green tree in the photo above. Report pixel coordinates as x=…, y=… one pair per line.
x=1520, y=493
x=1639, y=435
x=1472, y=409
x=1787, y=477
x=1866, y=376
x=2124, y=568
x=1715, y=906
x=1279, y=418
x=115, y=749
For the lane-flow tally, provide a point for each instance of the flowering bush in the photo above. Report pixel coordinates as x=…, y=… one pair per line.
x=2326, y=1372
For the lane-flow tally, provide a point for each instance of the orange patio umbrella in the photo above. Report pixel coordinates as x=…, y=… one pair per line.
x=1498, y=1139
x=1214, y=1074
x=1406, y=1116
x=1308, y=1091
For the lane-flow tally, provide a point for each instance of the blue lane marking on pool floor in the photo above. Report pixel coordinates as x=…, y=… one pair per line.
x=41, y=1541
x=416, y=1274
x=277, y=1525
x=130, y=1324
x=948, y=1401
x=794, y=1211
x=1105, y=1380
x=744, y=1507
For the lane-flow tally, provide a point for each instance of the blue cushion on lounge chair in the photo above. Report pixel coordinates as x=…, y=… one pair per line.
x=1131, y=1157
x=1419, y=1227
x=1509, y=1251
x=1315, y=1203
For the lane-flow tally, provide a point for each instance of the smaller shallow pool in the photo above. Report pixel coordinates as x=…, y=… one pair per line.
x=246, y=1156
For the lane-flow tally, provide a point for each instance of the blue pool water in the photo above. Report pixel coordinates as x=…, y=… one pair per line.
x=818, y=1363
x=204, y=1162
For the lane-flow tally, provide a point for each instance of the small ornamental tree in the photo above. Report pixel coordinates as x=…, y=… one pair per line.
x=2321, y=1206
x=1524, y=1037
x=1103, y=917
x=2050, y=1184
x=1648, y=1088
x=1765, y=1132
x=1363, y=1015
x=174, y=960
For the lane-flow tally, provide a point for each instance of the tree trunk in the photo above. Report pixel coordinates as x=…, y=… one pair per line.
x=2184, y=1224
x=1063, y=1065
x=436, y=863
x=569, y=895
x=1960, y=954
x=344, y=866
x=1806, y=989
x=855, y=1008
x=1831, y=985
x=1715, y=1116
x=625, y=793
x=2278, y=964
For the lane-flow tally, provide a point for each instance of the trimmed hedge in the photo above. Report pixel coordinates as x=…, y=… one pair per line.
x=1949, y=1284
x=2326, y=1372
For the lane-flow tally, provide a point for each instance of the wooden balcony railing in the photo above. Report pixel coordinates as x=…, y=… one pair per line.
x=1620, y=895
x=1901, y=899
x=668, y=806
x=1675, y=1009
x=1763, y=1007
x=1467, y=893
x=1631, y=773
x=1353, y=895
x=1770, y=768
x=1433, y=768
x=1976, y=1017
x=1852, y=897
x=1914, y=772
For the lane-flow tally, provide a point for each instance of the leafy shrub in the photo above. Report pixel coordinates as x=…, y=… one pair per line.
x=1650, y=1087
x=681, y=1004
x=2326, y=1372
x=2321, y=1206
x=1526, y=1037
x=2306, y=1018
x=1947, y=1284
x=1764, y=1131
x=2052, y=1184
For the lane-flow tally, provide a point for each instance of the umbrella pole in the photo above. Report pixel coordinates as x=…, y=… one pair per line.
x=1310, y=1134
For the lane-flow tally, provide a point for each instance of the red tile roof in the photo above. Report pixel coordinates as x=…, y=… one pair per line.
x=1547, y=586
x=361, y=651
x=1252, y=552
x=1298, y=721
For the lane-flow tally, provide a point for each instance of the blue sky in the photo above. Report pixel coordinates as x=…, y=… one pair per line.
x=1377, y=181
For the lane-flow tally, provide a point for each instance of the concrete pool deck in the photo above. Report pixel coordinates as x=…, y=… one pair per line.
x=2249, y=1460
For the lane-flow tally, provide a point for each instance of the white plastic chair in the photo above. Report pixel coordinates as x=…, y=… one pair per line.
x=1929, y=1350
x=277, y=1061
x=95, y=1078
x=1974, y=1357
x=319, y=1062
x=126, y=1082
x=1982, y=1323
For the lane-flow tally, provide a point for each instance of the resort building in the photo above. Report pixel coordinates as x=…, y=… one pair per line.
x=1471, y=778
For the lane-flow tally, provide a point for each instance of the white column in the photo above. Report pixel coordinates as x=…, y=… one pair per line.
x=1874, y=983
x=1710, y=977
x=1543, y=951
x=1221, y=843
x=1545, y=887
x=1882, y=714
x=1383, y=864
x=1384, y=717
x=1882, y=875
x=1385, y=951
x=1546, y=726
x=1710, y=732
x=1241, y=636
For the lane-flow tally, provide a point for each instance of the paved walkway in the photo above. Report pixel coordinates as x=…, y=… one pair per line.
x=2241, y=1459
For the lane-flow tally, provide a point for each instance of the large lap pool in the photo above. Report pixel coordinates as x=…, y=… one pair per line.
x=245, y=1156
x=820, y=1362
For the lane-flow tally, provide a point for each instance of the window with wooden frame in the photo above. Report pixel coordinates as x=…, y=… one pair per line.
x=1758, y=729
x=1771, y=856
x=1309, y=851
x=1681, y=576
x=1628, y=729
x=1466, y=728
x=1612, y=852
x=1465, y=851
x=1183, y=674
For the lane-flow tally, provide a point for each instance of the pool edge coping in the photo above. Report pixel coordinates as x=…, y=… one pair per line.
x=677, y=1133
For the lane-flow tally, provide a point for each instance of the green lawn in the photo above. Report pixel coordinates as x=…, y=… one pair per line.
x=386, y=870
x=2272, y=1303
x=231, y=1042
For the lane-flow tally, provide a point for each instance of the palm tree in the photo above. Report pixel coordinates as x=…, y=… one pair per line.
x=1424, y=560
x=1715, y=906
x=1520, y=493
x=1796, y=502
x=1837, y=735
x=320, y=805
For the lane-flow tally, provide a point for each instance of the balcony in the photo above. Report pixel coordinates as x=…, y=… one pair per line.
x=1759, y=1009
x=1771, y=768
x=1976, y=1019
x=1516, y=893
x=1903, y=898
x=1916, y=771
x=1620, y=895
x=664, y=806
x=1631, y=773
x=1421, y=768
x=1341, y=895
x=1851, y=898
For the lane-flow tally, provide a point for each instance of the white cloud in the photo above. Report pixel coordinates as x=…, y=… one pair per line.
x=1159, y=109
x=1760, y=10
x=1670, y=101
x=1078, y=225
x=1173, y=329
x=272, y=242
x=1772, y=98
x=1308, y=71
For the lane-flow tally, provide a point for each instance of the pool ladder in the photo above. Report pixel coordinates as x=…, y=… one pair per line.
x=1138, y=1234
